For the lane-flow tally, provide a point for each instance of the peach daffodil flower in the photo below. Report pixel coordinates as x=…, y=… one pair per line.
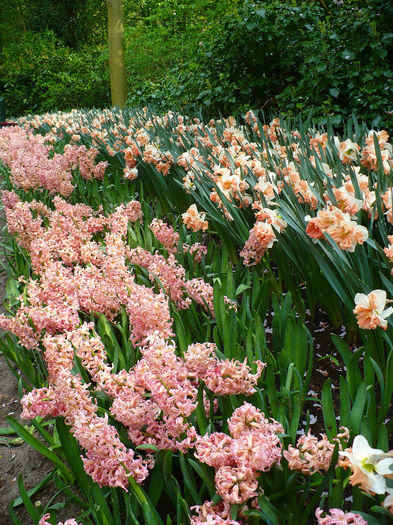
x=369, y=310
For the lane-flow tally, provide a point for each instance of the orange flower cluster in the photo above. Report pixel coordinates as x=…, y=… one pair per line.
x=346, y=233
x=195, y=220
x=369, y=158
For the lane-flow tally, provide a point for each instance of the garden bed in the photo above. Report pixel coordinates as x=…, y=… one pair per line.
x=200, y=314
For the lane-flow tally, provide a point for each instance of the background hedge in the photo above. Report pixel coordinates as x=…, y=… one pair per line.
x=334, y=58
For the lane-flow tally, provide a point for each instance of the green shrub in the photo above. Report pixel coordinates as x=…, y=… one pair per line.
x=347, y=65
x=39, y=74
x=163, y=40
x=289, y=57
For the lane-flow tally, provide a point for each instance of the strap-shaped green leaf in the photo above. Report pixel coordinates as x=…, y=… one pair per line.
x=42, y=449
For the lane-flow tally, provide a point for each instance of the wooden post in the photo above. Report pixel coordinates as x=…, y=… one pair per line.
x=116, y=53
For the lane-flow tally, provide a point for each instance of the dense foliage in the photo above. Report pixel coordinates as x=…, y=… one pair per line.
x=292, y=58
x=40, y=73
x=53, y=56
x=334, y=58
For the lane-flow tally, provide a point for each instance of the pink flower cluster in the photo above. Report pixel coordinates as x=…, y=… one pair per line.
x=154, y=399
x=82, y=264
x=106, y=456
x=165, y=234
x=171, y=276
x=33, y=165
x=210, y=514
x=46, y=517
x=27, y=158
x=221, y=376
x=169, y=238
x=83, y=159
x=252, y=447
x=75, y=272
x=339, y=517
x=312, y=455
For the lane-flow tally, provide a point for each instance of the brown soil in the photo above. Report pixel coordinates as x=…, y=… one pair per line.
x=15, y=458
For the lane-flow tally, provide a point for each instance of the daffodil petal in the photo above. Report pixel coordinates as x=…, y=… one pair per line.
x=361, y=299
x=383, y=466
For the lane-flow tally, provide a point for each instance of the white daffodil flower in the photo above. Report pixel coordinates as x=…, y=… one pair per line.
x=369, y=466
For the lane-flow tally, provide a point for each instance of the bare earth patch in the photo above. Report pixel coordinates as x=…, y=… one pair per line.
x=15, y=458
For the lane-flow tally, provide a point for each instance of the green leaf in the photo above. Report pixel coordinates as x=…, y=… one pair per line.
x=357, y=412
x=329, y=415
x=14, y=519
x=200, y=411
x=372, y=520
x=31, y=492
x=348, y=55
x=241, y=288
x=207, y=476
x=189, y=482
x=39, y=447
x=99, y=505
x=156, y=479
x=268, y=510
x=146, y=446
x=73, y=455
x=29, y=505
x=388, y=391
x=234, y=511
x=149, y=512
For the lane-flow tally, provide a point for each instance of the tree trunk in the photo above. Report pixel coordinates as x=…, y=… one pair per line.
x=116, y=53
